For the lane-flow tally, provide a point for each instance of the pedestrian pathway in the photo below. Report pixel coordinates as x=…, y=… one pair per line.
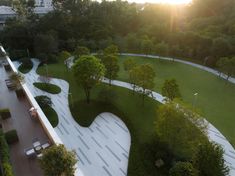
x=103, y=148
x=213, y=71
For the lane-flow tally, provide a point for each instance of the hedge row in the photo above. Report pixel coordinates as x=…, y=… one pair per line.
x=5, y=156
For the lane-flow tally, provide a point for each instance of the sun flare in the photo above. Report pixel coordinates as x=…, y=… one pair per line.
x=162, y=1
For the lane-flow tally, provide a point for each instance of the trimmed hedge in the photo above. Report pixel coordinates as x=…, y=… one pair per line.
x=5, y=113
x=47, y=87
x=11, y=137
x=26, y=65
x=5, y=156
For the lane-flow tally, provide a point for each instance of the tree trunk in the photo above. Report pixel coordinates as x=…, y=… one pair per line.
x=87, y=92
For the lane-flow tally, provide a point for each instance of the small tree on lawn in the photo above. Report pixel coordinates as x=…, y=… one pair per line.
x=80, y=51
x=133, y=77
x=183, y=169
x=208, y=160
x=145, y=79
x=129, y=64
x=88, y=71
x=57, y=161
x=170, y=89
x=111, y=64
x=111, y=50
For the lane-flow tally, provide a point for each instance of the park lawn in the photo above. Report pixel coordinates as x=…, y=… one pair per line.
x=47, y=87
x=128, y=106
x=216, y=96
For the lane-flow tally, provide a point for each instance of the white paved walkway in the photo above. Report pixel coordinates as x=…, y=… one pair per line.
x=213, y=71
x=103, y=148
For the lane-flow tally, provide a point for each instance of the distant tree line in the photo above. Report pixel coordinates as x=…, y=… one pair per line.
x=203, y=30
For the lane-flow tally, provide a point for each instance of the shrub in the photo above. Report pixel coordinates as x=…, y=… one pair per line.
x=4, y=156
x=11, y=137
x=5, y=113
x=7, y=169
x=43, y=101
x=26, y=65
x=47, y=87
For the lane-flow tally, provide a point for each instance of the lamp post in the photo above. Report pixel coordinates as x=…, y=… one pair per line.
x=195, y=99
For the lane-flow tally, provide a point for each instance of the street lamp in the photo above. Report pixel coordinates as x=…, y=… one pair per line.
x=195, y=99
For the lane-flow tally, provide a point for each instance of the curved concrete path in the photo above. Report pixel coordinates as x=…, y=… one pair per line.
x=103, y=148
x=213, y=71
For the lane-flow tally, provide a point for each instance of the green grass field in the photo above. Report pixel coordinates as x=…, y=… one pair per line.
x=216, y=96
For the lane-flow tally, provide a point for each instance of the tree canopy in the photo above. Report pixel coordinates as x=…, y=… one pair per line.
x=57, y=161
x=88, y=71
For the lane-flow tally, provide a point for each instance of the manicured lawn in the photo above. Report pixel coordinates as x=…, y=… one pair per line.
x=128, y=106
x=216, y=97
x=47, y=87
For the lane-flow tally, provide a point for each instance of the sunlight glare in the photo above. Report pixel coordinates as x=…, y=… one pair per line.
x=163, y=1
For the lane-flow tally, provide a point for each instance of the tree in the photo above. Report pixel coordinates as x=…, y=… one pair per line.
x=111, y=50
x=170, y=89
x=181, y=128
x=129, y=64
x=64, y=55
x=88, y=71
x=220, y=47
x=133, y=77
x=147, y=46
x=183, y=169
x=227, y=66
x=162, y=49
x=145, y=79
x=111, y=64
x=208, y=160
x=57, y=161
x=81, y=50
x=44, y=45
x=24, y=8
